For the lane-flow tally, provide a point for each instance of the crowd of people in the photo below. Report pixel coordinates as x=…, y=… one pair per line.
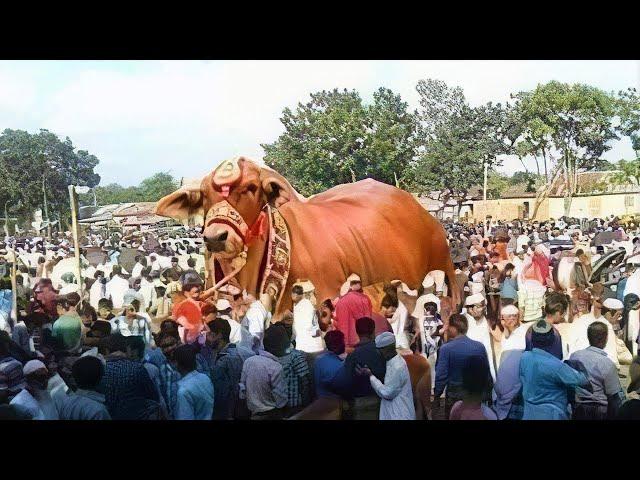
x=547, y=329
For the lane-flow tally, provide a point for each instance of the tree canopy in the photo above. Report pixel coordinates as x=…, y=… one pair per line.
x=150, y=189
x=570, y=126
x=336, y=138
x=455, y=141
x=36, y=170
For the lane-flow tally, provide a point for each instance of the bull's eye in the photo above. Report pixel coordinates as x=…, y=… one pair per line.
x=252, y=188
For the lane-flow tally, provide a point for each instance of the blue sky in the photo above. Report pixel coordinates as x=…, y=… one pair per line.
x=140, y=117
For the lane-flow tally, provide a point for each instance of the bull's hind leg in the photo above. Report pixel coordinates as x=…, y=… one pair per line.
x=452, y=285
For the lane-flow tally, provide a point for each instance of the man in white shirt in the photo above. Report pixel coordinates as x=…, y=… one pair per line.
x=306, y=328
x=518, y=262
x=578, y=339
x=513, y=337
x=34, y=400
x=105, y=266
x=98, y=289
x=141, y=262
x=395, y=393
x=479, y=327
x=116, y=287
x=238, y=335
x=256, y=320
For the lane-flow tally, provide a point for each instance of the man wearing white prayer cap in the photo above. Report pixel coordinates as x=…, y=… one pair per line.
x=438, y=278
x=613, y=304
x=395, y=393
x=346, y=286
x=513, y=337
x=34, y=400
x=239, y=334
x=479, y=328
x=428, y=283
x=578, y=339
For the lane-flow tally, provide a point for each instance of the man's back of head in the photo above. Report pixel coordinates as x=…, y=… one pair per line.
x=365, y=328
x=116, y=342
x=597, y=335
x=458, y=325
x=220, y=326
x=87, y=372
x=185, y=358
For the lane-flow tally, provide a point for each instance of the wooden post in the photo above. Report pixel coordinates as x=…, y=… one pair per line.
x=208, y=280
x=76, y=243
x=484, y=195
x=14, y=290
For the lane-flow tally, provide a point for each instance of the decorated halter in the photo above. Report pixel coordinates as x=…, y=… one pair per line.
x=225, y=176
x=278, y=251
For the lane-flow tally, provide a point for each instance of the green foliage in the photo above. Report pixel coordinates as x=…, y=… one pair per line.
x=574, y=123
x=335, y=138
x=530, y=179
x=34, y=164
x=628, y=172
x=629, y=114
x=496, y=184
x=455, y=140
x=150, y=189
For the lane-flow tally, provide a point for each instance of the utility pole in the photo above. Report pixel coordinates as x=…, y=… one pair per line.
x=6, y=220
x=46, y=209
x=14, y=288
x=76, y=242
x=486, y=168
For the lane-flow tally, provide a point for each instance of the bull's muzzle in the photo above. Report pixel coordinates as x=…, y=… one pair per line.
x=216, y=242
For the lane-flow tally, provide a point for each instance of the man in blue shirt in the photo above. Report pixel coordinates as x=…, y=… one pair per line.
x=195, y=390
x=507, y=390
x=226, y=370
x=328, y=364
x=129, y=391
x=555, y=308
x=607, y=395
x=364, y=404
x=85, y=403
x=545, y=380
x=452, y=358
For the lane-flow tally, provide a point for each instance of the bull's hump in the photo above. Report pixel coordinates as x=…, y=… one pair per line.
x=367, y=186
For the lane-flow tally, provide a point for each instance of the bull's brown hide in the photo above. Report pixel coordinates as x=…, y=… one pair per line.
x=370, y=228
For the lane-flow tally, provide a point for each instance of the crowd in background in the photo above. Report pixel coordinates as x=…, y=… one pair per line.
x=547, y=329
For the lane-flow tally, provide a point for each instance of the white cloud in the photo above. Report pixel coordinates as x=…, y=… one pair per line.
x=186, y=116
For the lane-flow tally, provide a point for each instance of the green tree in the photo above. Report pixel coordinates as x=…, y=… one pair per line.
x=629, y=114
x=628, y=172
x=36, y=170
x=455, y=141
x=570, y=126
x=111, y=194
x=157, y=186
x=496, y=184
x=150, y=189
x=335, y=138
x=528, y=178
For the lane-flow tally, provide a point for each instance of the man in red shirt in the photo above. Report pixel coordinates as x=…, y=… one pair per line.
x=351, y=306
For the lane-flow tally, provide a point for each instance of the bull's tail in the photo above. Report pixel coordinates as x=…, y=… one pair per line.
x=456, y=294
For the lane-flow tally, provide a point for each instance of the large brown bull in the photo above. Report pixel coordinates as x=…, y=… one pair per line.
x=369, y=228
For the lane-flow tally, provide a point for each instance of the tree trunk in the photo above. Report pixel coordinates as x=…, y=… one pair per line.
x=46, y=209
x=544, y=192
x=567, y=205
x=6, y=221
x=544, y=156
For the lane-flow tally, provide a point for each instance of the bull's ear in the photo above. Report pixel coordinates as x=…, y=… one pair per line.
x=181, y=204
x=276, y=189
